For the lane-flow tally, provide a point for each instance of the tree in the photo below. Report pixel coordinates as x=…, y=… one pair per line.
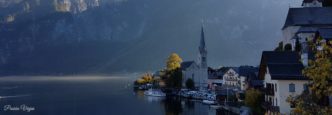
x=173, y=62
x=175, y=79
x=327, y=3
x=298, y=46
x=288, y=47
x=320, y=73
x=280, y=47
x=145, y=78
x=254, y=99
x=190, y=84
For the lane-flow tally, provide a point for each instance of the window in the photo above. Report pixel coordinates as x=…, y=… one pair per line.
x=292, y=105
x=292, y=87
x=305, y=87
x=276, y=102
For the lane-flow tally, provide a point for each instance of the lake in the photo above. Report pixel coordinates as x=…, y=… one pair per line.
x=88, y=95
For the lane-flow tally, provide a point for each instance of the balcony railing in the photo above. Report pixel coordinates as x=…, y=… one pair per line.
x=268, y=106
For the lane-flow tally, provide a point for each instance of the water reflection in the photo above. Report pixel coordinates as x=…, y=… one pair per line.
x=178, y=106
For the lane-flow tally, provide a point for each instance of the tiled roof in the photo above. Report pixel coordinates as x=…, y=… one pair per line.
x=282, y=65
x=286, y=71
x=309, y=16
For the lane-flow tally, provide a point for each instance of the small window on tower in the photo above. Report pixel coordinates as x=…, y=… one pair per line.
x=204, y=59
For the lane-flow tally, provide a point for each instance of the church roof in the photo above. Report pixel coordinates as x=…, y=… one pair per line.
x=309, y=16
x=186, y=64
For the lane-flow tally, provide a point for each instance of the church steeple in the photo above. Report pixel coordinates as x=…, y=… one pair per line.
x=202, y=50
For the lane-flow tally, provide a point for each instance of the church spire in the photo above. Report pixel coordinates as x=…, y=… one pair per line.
x=202, y=51
x=202, y=47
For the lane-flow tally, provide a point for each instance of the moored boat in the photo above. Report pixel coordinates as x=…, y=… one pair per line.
x=155, y=93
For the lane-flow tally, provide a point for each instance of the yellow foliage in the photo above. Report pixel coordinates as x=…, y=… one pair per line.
x=173, y=62
x=145, y=78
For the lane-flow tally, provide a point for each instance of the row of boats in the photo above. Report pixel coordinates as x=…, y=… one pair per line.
x=207, y=97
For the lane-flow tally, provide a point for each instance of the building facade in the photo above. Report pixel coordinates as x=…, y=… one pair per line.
x=197, y=70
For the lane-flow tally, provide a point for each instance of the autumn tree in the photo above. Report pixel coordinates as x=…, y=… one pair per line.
x=319, y=72
x=173, y=62
x=173, y=71
x=254, y=99
x=145, y=78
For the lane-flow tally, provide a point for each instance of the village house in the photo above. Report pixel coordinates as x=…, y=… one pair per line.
x=282, y=75
x=248, y=77
x=231, y=78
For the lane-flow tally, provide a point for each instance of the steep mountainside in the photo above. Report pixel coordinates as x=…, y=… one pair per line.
x=95, y=36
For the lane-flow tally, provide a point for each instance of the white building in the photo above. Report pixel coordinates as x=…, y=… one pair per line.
x=231, y=78
x=282, y=74
x=197, y=70
x=306, y=18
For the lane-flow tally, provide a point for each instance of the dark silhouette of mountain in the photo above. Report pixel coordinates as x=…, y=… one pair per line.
x=132, y=35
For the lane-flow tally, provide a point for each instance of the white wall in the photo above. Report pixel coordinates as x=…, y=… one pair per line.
x=232, y=80
x=282, y=92
x=199, y=75
x=288, y=34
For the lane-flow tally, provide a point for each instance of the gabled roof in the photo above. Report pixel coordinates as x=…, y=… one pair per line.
x=309, y=16
x=286, y=71
x=326, y=33
x=186, y=64
x=281, y=65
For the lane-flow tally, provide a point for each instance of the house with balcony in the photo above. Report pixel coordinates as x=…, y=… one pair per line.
x=231, y=78
x=282, y=77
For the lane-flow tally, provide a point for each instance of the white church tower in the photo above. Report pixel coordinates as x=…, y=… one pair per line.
x=197, y=70
x=202, y=51
x=202, y=62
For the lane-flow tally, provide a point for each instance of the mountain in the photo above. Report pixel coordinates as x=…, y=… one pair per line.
x=46, y=37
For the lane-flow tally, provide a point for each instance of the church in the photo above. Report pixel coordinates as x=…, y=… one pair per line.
x=197, y=70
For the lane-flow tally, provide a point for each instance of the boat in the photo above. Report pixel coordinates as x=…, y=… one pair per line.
x=155, y=93
x=209, y=102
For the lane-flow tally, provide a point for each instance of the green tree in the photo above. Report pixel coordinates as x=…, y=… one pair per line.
x=173, y=62
x=298, y=46
x=288, y=47
x=175, y=79
x=254, y=99
x=190, y=84
x=320, y=73
x=280, y=47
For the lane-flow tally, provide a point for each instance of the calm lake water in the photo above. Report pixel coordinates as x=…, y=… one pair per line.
x=88, y=95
